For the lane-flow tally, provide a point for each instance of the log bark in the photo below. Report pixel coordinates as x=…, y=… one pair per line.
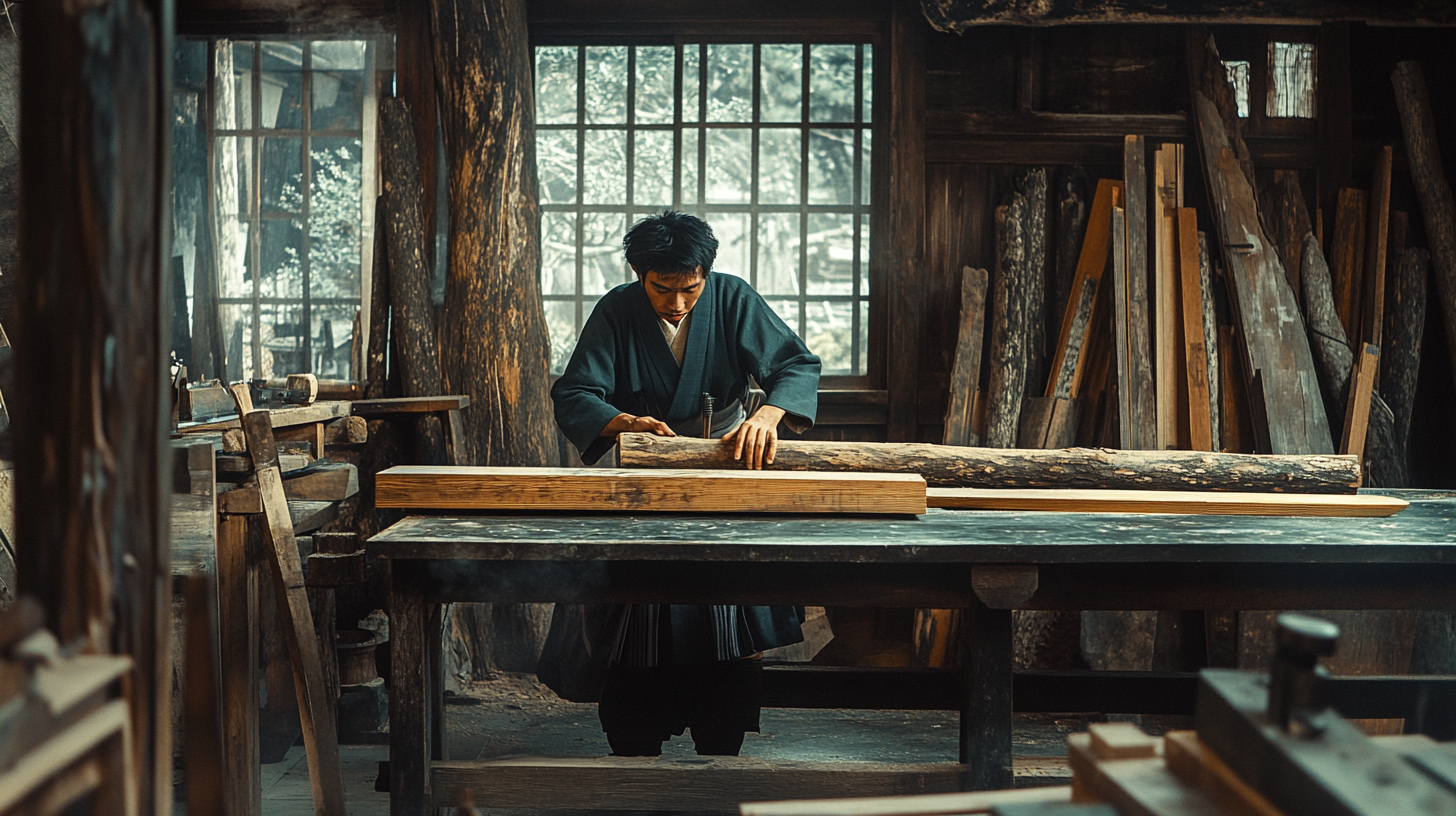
x=90, y=343
x=1400, y=357
x=494, y=347
x=377, y=353
x=1287, y=219
x=1210, y=340
x=417, y=350
x=9, y=169
x=945, y=466
x=1289, y=414
x=1385, y=462
x=1034, y=187
x=1009, y=326
x=1437, y=207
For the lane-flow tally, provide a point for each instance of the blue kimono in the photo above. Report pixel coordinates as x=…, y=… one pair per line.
x=622, y=364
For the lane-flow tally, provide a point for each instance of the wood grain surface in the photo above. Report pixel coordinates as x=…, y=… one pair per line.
x=1164, y=501
x=668, y=490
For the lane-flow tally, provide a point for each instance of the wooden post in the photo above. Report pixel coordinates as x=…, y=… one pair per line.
x=903, y=226
x=1008, y=326
x=1126, y=411
x=494, y=347
x=986, y=715
x=965, y=374
x=204, y=761
x=237, y=619
x=89, y=407
x=1168, y=314
x=1432, y=188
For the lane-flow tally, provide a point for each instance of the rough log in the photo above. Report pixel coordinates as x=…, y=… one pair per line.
x=1287, y=219
x=959, y=15
x=90, y=357
x=1142, y=395
x=1034, y=187
x=377, y=351
x=1437, y=207
x=494, y=347
x=1400, y=357
x=1385, y=462
x=1009, y=327
x=965, y=376
x=9, y=168
x=1210, y=338
x=945, y=466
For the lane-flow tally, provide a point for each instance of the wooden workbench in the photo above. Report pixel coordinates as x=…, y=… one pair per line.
x=984, y=562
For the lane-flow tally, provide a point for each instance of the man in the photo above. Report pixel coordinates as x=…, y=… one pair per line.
x=648, y=355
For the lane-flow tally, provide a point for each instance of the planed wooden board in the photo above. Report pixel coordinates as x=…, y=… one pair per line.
x=1347, y=256
x=965, y=377
x=1200, y=419
x=1376, y=242
x=1168, y=328
x=667, y=490
x=1143, y=396
x=1126, y=419
x=1164, y=501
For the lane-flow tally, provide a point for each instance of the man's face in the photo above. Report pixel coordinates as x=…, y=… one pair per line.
x=673, y=296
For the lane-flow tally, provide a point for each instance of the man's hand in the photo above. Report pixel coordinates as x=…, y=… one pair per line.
x=758, y=437
x=626, y=423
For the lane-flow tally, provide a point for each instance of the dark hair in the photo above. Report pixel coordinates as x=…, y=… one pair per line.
x=670, y=243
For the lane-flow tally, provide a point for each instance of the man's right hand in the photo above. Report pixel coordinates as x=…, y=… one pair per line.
x=626, y=423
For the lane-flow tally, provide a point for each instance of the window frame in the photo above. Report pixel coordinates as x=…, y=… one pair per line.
x=876, y=277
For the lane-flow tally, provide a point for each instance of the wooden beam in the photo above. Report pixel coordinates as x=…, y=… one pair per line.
x=1432, y=188
x=945, y=466
x=1347, y=257
x=965, y=377
x=959, y=15
x=237, y=621
x=1143, y=397
x=1163, y=501
x=1195, y=319
x=700, y=491
x=386, y=408
x=1288, y=401
x=332, y=482
x=1010, y=329
x=1376, y=244
x=942, y=804
x=1169, y=375
x=903, y=241
x=1405, y=323
x=1357, y=407
x=1127, y=432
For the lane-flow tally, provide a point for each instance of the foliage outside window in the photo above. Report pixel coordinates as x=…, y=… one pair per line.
x=270, y=155
x=769, y=142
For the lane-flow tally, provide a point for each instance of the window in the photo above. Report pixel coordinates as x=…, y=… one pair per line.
x=271, y=229
x=1278, y=85
x=770, y=142
x=1238, y=77
x=1291, y=80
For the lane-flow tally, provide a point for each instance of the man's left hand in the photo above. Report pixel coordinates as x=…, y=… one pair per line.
x=758, y=437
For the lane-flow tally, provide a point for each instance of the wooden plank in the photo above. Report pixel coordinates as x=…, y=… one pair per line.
x=319, y=734
x=960, y=15
x=1236, y=431
x=701, y=784
x=1200, y=419
x=205, y=762
x=1376, y=244
x=1265, y=309
x=1143, y=396
x=933, y=804
x=377, y=351
x=1210, y=340
x=1357, y=407
x=1287, y=220
x=286, y=417
x=946, y=466
x=1405, y=323
x=1067, y=363
x=965, y=374
x=1164, y=501
x=237, y=620
x=1009, y=325
x=1127, y=433
x=902, y=252
x=62, y=751
x=1347, y=257
x=386, y=408
x=1193, y=763
x=1048, y=422
x=332, y=482
x=1432, y=188
x=1168, y=307
x=702, y=491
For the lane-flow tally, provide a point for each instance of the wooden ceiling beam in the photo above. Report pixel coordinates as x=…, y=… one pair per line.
x=959, y=15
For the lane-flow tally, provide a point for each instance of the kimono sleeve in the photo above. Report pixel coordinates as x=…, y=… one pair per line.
x=582, y=396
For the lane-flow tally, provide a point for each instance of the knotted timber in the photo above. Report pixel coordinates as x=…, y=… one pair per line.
x=945, y=466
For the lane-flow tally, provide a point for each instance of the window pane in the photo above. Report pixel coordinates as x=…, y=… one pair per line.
x=558, y=253
x=233, y=100
x=1238, y=77
x=333, y=340
x=829, y=333
x=281, y=274
x=781, y=94
x=282, y=85
x=602, y=264
x=869, y=84
x=731, y=230
x=864, y=255
x=561, y=328
x=730, y=83
x=1291, y=80
x=606, y=84
x=778, y=253
x=282, y=175
x=556, y=85
x=831, y=83
x=337, y=100
x=338, y=55
x=831, y=254
x=232, y=157
x=654, y=84
x=689, y=164
x=282, y=336
x=556, y=165
x=863, y=340
x=729, y=165
x=234, y=279
x=691, y=81
x=788, y=311
x=864, y=166
x=236, y=321
x=652, y=168
x=333, y=218
x=605, y=161
x=831, y=166
x=779, y=162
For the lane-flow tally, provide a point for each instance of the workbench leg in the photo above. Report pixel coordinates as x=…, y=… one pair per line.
x=435, y=657
x=237, y=623
x=409, y=764
x=986, y=713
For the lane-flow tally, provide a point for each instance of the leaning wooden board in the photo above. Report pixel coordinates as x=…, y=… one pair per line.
x=698, y=491
x=1164, y=501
